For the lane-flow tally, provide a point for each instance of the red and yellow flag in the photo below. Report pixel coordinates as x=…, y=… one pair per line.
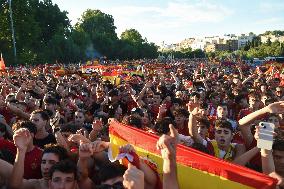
x=195, y=169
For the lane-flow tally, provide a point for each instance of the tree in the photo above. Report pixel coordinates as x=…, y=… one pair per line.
x=39, y=27
x=100, y=27
x=132, y=36
x=133, y=44
x=268, y=42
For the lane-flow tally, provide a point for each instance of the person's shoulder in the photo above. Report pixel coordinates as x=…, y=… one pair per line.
x=33, y=184
x=38, y=150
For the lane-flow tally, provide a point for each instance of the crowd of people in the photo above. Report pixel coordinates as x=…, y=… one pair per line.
x=54, y=128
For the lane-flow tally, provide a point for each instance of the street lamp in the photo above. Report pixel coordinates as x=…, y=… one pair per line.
x=12, y=28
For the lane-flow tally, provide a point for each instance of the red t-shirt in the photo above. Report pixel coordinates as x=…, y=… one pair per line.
x=155, y=110
x=32, y=164
x=7, y=114
x=8, y=145
x=256, y=160
x=184, y=131
x=130, y=105
x=243, y=113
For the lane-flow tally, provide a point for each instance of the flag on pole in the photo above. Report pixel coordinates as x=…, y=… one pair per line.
x=195, y=169
x=2, y=64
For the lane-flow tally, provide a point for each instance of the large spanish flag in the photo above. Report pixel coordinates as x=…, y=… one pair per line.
x=196, y=170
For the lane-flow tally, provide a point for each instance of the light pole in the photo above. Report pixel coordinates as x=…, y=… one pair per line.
x=12, y=28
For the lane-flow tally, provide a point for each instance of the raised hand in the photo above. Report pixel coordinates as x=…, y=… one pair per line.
x=280, y=180
x=163, y=109
x=61, y=140
x=22, y=137
x=85, y=150
x=133, y=178
x=276, y=108
x=127, y=148
x=191, y=106
x=195, y=111
x=99, y=146
x=78, y=139
x=167, y=144
x=97, y=125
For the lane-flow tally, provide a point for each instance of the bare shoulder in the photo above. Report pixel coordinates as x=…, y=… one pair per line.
x=34, y=184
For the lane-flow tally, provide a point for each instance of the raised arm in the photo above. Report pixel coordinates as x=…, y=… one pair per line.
x=143, y=91
x=22, y=138
x=242, y=157
x=167, y=145
x=18, y=112
x=192, y=127
x=133, y=178
x=277, y=107
x=85, y=153
x=149, y=174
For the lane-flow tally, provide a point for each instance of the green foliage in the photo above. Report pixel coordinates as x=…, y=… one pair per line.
x=132, y=36
x=255, y=49
x=185, y=53
x=135, y=47
x=275, y=32
x=43, y=33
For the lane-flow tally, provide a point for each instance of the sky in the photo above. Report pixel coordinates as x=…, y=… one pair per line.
x=172, y=21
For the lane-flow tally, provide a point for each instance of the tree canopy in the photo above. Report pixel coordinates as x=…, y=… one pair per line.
x=44, y=35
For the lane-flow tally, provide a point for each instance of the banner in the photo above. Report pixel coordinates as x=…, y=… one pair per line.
x=195, y=169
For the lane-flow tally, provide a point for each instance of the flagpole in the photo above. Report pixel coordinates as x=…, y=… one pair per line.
x=12, y=28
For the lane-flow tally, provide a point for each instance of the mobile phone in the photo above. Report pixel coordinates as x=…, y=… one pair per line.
x=265, y=140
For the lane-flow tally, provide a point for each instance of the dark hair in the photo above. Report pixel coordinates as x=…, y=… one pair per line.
x=25, y=124
x=162, y=126
x=195, y=94
x=7, y=155
x=68, y=128
x=134, y=121
x=222, y=104
x=221, y=123
x=3, y=127
x=48, y=112
x=111, y=170
x=204, y=106
x=51, y=100
x=254, y=95
x=181, y=111
x=278, y=145
x=64, y=166
x=33, y=94
x=57, y=150
x=42, y=113
x=204, y=121
x=239, y=98
x=177, y=101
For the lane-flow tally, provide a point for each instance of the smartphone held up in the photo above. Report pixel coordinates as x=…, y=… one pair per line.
x=266, y=131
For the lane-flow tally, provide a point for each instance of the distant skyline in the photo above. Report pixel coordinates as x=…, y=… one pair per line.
x=172, y=21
